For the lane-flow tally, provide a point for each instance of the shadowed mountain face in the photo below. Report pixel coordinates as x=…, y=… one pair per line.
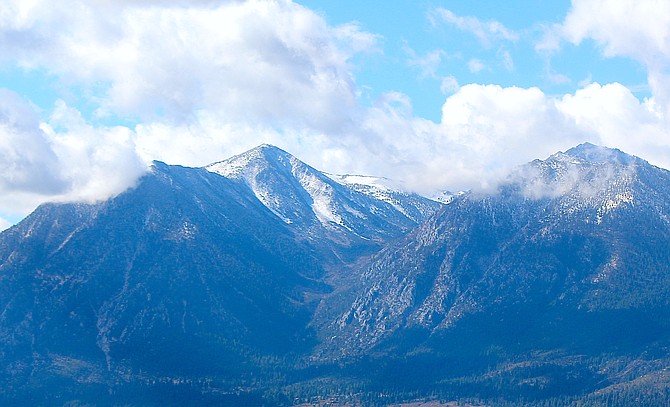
x=568, y=258
x=189, y=273
x=184, y=273
x=586, y=229
x=243, y=281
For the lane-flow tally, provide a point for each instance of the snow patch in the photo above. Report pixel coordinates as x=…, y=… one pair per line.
x=321, y=194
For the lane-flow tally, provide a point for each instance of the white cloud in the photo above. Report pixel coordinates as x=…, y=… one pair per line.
x=96, y=162
x=204, y=141
x=205, y=78
x=475, y=65
x=27, y=161
x=486, y=130
x=270, y=61
x=449, y=85
x=210, y=79
x=4, y=224
x=637, y=29
x=76, y=162
x=485, y=31
x=619, y=119
x=627, y=28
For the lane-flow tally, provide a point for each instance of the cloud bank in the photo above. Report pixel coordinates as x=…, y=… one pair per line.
x=202, y=80
x=78, y=162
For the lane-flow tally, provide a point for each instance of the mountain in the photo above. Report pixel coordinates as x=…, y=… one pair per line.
x=320, y=208
x=563, y=270
x=188, y=276
x=184, y=274
x=259, y=280
x=413, y=206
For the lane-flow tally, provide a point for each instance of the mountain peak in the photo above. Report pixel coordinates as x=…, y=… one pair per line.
x=262, y=156
x=320, y=204
x=267, y=149
x=599, y=154
x=588, y=176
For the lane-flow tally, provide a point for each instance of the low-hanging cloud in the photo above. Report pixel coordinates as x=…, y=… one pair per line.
x=204, y=80
x=96, y=162
x=27, y=161
x=576, y=181
x=75, y=162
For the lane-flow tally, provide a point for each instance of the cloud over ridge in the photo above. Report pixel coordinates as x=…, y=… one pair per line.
x=192, y=82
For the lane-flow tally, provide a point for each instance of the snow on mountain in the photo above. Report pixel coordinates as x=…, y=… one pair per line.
x=445, y=197
x=262, y=169
x=586, y=179
x=209, y=286
x=375, y=183
x=412, y=205
x=587, y=228
x=310, y=199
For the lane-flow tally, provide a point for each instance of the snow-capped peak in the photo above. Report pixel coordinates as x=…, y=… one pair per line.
x=257, y=158
x=597, y=154
x=300, y=194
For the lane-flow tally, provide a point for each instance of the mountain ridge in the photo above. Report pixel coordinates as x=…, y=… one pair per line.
x=594, y=205
x=223, y=285
x=316, y=204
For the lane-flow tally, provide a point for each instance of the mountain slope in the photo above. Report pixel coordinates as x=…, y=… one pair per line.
x=317, y=206
x=190, y=277
x=588, y=226
x=568, y=258
x=186, y=274
x=258, y=281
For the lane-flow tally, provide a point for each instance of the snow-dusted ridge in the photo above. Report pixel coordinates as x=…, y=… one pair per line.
x=379, y=183
x=299, y=194
x=588, y=227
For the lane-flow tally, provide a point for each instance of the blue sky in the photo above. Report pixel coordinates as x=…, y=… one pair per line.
x=435, y=94
x=413, y=31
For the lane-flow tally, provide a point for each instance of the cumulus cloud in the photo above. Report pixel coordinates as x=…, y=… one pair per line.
x=269, y=61
x=619, y=119
x=629, y=29
x=640, y=30
x=209, y=79
x=96, y=162
x=203, y=78
x=75, y=162
x=27, y=160
x=486, y=130
x=633, y=29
